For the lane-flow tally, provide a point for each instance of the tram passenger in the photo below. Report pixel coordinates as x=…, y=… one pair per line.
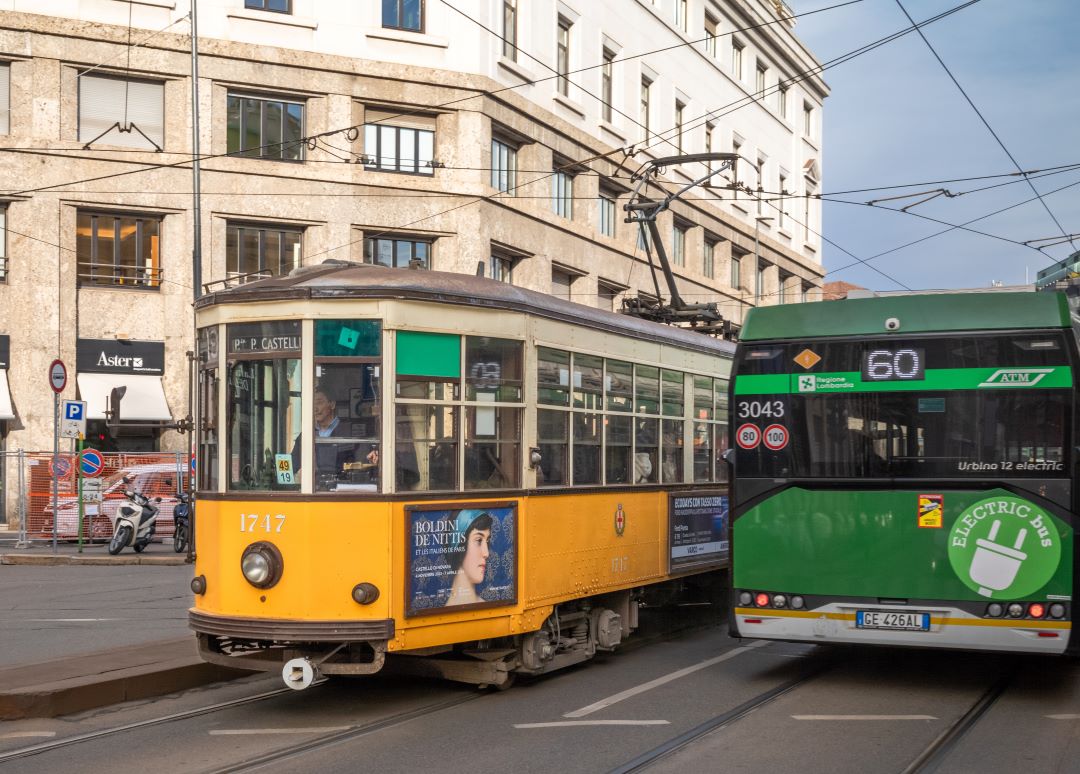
x=470, y=561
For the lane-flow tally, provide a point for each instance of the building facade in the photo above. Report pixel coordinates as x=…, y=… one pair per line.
x=493, y=136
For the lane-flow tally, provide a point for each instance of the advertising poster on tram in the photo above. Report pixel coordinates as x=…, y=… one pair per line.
x=699, y=529
x=461, y=558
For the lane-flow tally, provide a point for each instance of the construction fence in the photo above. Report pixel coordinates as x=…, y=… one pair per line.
x=28, y=497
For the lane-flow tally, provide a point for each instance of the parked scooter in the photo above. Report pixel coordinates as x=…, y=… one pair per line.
x=134, y=522
x=182, y=517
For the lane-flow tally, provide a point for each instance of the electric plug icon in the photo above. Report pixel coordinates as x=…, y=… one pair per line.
x=994, y=566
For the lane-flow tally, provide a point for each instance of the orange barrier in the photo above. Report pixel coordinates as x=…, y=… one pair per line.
x=154, y=474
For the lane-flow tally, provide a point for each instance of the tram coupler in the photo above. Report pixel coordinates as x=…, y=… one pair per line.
x=299, y=673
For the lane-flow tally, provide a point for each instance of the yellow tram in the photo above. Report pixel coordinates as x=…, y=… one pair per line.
x=480, y=478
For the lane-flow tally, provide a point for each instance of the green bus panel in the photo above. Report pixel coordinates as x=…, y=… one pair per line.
x=1045, y=377
x=871, y=544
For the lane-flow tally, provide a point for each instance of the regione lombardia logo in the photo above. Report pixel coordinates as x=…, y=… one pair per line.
x=1004, y=547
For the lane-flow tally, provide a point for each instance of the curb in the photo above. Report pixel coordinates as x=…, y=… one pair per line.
x=165, y=668
x=50, y=560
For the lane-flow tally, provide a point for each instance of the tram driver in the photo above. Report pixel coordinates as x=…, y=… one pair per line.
x=337, y=462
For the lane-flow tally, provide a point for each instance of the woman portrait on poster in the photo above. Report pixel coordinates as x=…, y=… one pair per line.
x=469, y=561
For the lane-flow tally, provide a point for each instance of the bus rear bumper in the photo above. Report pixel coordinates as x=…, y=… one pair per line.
x=949, y=628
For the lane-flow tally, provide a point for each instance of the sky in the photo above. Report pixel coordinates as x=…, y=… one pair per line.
x=895, y=118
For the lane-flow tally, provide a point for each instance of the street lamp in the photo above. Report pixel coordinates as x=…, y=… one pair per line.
x=757, y=257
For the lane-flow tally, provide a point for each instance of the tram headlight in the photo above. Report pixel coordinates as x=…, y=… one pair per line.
x=1016, y=610
x=1057, y=610
x=198, y=584
x=261, y=564
x=365, y=593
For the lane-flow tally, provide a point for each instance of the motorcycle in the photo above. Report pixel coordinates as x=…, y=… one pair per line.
x=182, y=518
x=134, y=522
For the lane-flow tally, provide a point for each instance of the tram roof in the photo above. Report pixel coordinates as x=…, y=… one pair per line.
x=917, y=313
x=345, y=280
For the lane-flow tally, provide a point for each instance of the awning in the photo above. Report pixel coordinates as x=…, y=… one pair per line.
x=5, y=397
x=144, y=400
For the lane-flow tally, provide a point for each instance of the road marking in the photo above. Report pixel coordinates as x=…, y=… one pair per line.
x=564, y=723
x=28, y=735
x=864, y=717
x=1064, y=717
x=275, y=731
x=630, y=692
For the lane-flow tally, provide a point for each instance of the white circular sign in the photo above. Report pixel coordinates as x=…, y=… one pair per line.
x=776, y=437
x=57, y=376
x=748, y=436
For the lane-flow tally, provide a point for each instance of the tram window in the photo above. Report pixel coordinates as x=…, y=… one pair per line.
x=264, y=418
x=346, y=417
x=586, y=452
x=426, y=449
x=672, y=451
x=209, y=385
x=553, y=377
x=620, y=432
x=551, y=430
x=647, y=389
x=493, y=369
x=619, y=385
x=703, y=398
x=588, y=382
x=703, y=456
x=673, y=397
x=720, y=445
x=492, y=447
x=647, y=449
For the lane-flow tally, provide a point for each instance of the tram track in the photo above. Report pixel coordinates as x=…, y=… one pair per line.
x=646, y=759
x=89, y=736
x=938, y=750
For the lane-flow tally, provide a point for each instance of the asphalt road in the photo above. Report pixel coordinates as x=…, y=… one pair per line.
x=59, y=611
x=845, y=710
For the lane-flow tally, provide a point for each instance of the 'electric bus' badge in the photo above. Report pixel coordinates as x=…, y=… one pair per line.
x=807, y=359
x=1004, y=547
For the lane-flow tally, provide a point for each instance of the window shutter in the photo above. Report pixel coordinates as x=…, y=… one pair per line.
x=102, y=103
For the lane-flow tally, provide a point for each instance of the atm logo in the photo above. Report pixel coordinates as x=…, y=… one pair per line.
x=1016, y=377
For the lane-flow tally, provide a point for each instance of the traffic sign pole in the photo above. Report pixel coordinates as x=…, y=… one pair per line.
x=56, y=457
x=80, y=475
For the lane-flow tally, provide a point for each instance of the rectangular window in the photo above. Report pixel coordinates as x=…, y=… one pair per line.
x=606, y=84
x=552, y=439
x=501, y=269
x=346, y=407
x=562, y=60
x=781, y=101
x=782, y=204
x=759, y=281
x=681, y=14
x=781, y=289
x=403, y=15
x=703, y=429
x=397, y=253
x=678, y=245
x=253, y=252
x=208, y=409
x=118, y=250
x=708, y=265
x=680, y=110
x=121, y=111
x=262, y=405
x=3, y=243
x=265, y=128
x=606, y=296
x=5, y=98
x=280, y=6
x=760, y=80
x=736, y=269
x=561, y=284
x=399, y=145
x=646, y=85
x=607, y=213
x=736, y=60
x=808, y=119
x=510, y=39
x=503, y=166
x=562, y=194
x=493, y=374
x=712, y=27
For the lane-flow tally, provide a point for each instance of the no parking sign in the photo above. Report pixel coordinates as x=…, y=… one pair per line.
x=91, y=463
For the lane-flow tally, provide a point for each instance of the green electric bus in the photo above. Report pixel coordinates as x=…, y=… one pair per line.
x=904, y=472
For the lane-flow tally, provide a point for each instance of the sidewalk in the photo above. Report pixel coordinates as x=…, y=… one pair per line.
x=89, y=630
